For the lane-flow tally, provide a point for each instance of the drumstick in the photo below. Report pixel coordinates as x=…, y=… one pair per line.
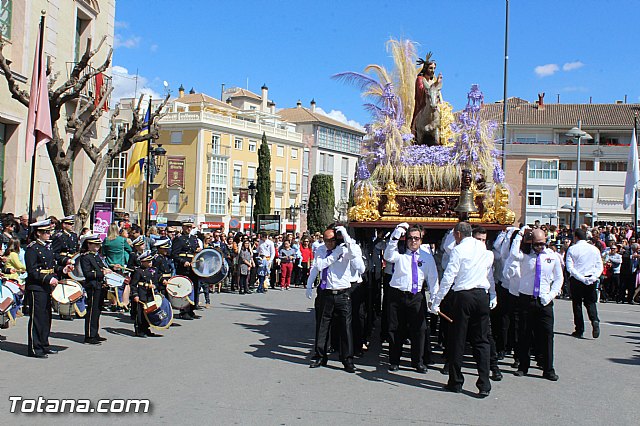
x=444, y=316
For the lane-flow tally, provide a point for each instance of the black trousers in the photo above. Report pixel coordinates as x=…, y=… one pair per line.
x=140, y=323
x=514, y=323
x=358, y=315
x=39, y=325
x=334, y=308
x=536, y=325
x=407, y=318
x=446, y=307
x=500, y=319
x=384, y=319
x=587, y=294
x=92, y=318
x=470, y=315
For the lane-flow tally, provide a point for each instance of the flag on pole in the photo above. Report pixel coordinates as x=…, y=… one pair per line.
x=39, y=117
x=134, y=175
x=633, y=174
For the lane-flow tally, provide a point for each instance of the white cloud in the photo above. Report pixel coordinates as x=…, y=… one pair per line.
x=546, y=70
x=121, y=24
x=339, y=116
x=570, y=66
x=575, y=89
x=124, y=85
x=153, y=48
x=128, y=43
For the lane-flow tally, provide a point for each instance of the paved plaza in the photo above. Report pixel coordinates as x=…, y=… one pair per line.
x=246, y=362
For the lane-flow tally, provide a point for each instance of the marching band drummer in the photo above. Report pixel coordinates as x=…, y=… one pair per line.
x=138, y=249
x=41, y=278
x=64, y=245
x=94, y=268
x=162, y=263
x=143, y=282
x=184, y=248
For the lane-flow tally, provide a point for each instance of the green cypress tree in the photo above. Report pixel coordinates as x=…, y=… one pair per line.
x=321, y=203
x=263, y=183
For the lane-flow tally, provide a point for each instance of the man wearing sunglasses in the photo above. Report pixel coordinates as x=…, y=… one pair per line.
x=541, y=280
x=407, y=302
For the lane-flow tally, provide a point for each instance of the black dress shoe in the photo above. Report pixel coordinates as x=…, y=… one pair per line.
x=38, y=355
x=92, y=341
x=152, y=334
x=394, y=367
x=519, y=373
x=483, y=394
x=194, y=316
x=551, y=376
x=51, y=352
x=496, y=375
x=421, y=368
x=349, y=367
x=184, y=316
x=596, y=329
x=101, y=339
x=140, y=334
x=317, y=362
x=577, y=334
x=450, y=388
x=445, y=368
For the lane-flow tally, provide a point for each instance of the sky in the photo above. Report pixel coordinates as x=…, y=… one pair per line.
x=574, y=49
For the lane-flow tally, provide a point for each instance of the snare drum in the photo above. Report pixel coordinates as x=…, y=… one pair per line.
x=158, y=313
x=179, y=290
x=7, y=299
x=114, y=280
x=10, y=303
x=76, y=274
x=69, y=297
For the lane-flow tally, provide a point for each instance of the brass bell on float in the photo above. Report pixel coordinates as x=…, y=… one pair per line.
x=466, y=203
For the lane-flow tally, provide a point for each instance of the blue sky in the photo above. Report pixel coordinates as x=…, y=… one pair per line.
x=574, y=48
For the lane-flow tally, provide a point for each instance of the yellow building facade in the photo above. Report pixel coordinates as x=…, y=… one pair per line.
x=212, y=156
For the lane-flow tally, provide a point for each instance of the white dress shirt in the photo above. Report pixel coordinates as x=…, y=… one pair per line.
x=584, y=262
x=402, y=278
x=551, y=278
x=356, y=265
x=338, y=264
x=469, y=266
x=268, y=249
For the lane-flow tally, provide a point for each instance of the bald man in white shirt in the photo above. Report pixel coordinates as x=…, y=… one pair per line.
x=541, y=280
x=467, y=273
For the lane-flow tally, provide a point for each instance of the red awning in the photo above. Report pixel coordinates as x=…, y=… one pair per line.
x=246, y=226
x=290, y=227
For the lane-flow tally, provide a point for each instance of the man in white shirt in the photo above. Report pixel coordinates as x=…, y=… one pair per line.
x=333, y=303
x=584, y=265
x=541, y=280
x=407, y=302
x=266, y=248
x=467, y=271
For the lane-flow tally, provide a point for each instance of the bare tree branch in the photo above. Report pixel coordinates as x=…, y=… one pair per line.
x=18, y=94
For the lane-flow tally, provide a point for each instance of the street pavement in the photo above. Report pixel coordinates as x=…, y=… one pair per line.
x=246, y=362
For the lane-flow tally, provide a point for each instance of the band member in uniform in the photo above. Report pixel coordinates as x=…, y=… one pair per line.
x=64, y=245
x=333, y=262
x=41, y=278
x=584, y=264
x=184, y=247
x=143, y=282
x=407, y=302
x=138, y=248
x=541, y=280
x=94, y=267
x=162, y=264
x=467, y=271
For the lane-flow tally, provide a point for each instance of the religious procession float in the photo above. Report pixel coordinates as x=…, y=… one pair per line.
x=422, y=163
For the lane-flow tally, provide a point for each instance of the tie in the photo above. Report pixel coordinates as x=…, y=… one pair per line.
x=325, y=274
x=536, y=280
x=414, y=272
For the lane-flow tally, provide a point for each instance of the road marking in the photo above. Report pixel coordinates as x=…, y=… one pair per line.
x=623, y=325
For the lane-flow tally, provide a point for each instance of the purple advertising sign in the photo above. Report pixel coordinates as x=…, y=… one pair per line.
x=101, y=218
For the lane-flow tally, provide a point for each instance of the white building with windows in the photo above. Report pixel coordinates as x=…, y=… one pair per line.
x=542, y=161
x=330, y=147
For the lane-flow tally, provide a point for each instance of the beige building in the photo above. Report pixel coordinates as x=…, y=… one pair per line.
x=69, y=25
x=212, y=156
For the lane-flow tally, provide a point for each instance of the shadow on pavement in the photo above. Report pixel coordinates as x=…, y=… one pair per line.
x=74, y=337
x=21, y=348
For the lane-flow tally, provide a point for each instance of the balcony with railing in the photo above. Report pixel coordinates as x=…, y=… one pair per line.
x=94, y=86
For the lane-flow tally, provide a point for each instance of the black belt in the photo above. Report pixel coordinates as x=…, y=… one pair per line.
x=335, y=292
x=406, y=292
x=528, y=296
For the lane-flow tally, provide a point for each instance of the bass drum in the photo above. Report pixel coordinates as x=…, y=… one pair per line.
x=76, y=274
x=220, y=275
x=207, y=262
x=159, y=313
x=180, y=291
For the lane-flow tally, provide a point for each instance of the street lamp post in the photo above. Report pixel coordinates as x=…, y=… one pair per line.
x=578, y=134
x=293, y=214
x=570, y=208
x=252, y=193
x=153, y=166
